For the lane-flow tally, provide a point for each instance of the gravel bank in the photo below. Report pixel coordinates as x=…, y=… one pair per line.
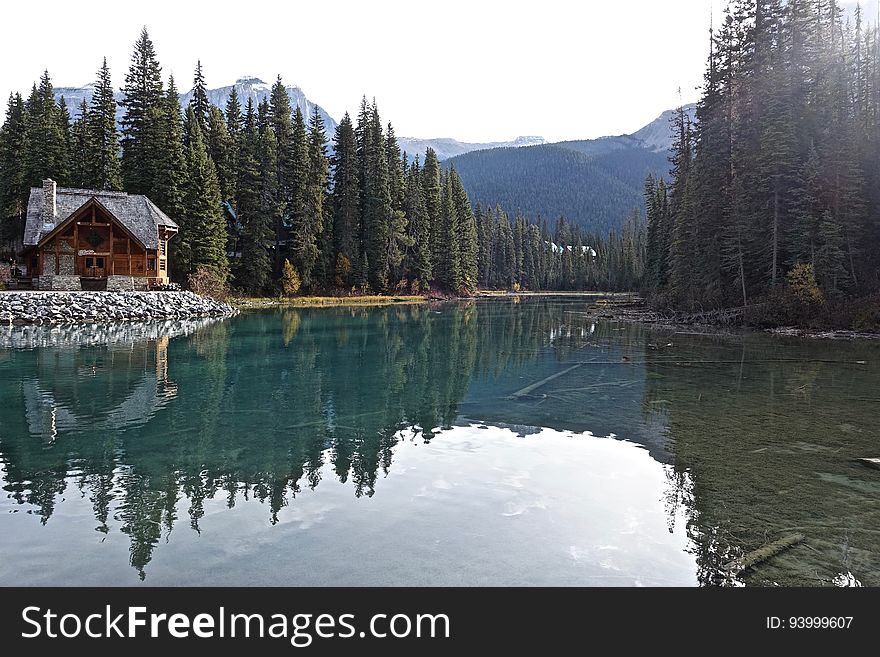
x=102, y=307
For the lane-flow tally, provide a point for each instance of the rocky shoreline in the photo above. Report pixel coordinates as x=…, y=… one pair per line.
x=58, y=308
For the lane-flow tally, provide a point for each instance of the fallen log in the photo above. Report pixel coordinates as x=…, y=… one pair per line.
x=762, y=554
x=530, y=388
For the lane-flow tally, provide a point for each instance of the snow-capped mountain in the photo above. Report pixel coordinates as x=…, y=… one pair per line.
x=247, y=87
x=74, y=96
x=256, y=89
x=447, y=147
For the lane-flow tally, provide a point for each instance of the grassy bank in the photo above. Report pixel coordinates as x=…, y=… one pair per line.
x=549, y=293
x=245, y=303
x=384, y=300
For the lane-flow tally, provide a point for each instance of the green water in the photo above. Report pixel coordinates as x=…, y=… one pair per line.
x=410, y=445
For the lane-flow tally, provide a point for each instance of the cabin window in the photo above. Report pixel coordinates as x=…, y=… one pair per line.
x=151, y=264
x=162, y=247
x=34, y=263
x=162, y=264
x=90, y=262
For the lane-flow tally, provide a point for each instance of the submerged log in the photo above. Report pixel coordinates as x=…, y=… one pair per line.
x=762, y=554
x=525, y=391
x=870, y=462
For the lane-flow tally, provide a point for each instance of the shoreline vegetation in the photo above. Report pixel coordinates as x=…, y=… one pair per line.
x=259, y=303
x=620, y=306
x=826, y=324
x=35, y=307
x=255, y=303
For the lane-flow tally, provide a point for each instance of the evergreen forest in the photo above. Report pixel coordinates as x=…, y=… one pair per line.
x=268, y=203
x=775, y=190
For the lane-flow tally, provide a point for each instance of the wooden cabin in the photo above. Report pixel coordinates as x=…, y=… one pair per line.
x=80, y=239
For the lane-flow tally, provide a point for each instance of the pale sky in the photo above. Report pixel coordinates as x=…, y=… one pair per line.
x=475, y=70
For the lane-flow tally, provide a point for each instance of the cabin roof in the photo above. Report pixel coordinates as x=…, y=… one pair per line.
x=135, y=212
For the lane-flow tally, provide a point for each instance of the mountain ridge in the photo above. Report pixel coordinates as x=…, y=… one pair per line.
x=595, y=183
x=246, y=86
x=447, y=147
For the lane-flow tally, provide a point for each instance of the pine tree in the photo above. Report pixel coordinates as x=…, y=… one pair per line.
x=398, y=237
x=504, y=257
x=280, y=117
x=466, y=235
x=63, y=118
x=315, y=201
x=376, y=211
x=234, y=127
x=448, y=253
x=418, y=255
x=257, y=202
x=45, y=132
x=102, y=169
x=519, y=231
x=831, y=261
x=684, y=237
x=199, y=100
x=80, y=149
x=13, y=174
x=142, y=120
x=484, y=244
x=345, y=195
x=302, y=234
x=167, y=187
x=204, y=219
x=220, y=149
x=431, y=190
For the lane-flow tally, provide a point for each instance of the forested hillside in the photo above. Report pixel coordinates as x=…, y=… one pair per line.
x=594, y=184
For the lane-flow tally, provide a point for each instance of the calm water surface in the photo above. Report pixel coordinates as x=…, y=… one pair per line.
x=479, y=443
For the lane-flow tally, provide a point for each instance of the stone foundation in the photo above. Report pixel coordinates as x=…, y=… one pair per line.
x=126, y=283
x=60, y=282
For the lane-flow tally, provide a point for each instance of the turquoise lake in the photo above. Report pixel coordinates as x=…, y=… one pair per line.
x=510, y=442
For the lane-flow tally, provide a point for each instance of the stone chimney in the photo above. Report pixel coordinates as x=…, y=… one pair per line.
x=49, y=201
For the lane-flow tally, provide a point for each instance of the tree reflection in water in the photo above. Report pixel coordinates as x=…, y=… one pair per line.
x=262, y=406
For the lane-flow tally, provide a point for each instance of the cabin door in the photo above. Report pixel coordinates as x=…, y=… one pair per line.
x=95, y=267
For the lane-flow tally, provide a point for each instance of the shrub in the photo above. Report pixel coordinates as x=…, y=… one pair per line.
x=208, y=282
x=290, y=280
x=343, y=270
x=866, y=314
x=802, y=284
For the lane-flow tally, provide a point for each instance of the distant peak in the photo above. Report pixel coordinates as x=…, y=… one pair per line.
x=249, y=79
x=528, y=140
x=90, y=85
